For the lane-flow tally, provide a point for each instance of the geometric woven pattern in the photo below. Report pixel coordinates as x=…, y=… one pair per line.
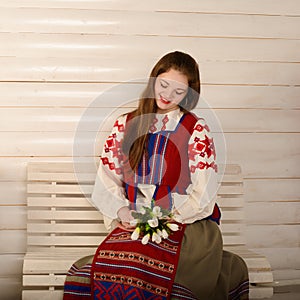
x=125, y=267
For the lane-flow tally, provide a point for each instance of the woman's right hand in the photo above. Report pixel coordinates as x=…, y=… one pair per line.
x=124, y=214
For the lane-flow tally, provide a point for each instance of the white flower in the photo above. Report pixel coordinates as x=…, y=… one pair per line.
x=164, y=234
x=153, y=222
x=157, y=211
x=173, y=227
x=145, y=239
x=135, y=234
x=156, y=238
x=142, y=210
x=158, y=231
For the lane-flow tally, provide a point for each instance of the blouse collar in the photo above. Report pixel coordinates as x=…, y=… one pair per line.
x=167, y=121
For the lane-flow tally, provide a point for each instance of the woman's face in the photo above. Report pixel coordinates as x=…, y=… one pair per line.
x=170, y=88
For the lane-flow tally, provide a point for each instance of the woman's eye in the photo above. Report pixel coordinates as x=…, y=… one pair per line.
x=163, y=85
x=179, y=93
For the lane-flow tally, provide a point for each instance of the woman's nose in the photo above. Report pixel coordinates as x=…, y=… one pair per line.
x=169, y=93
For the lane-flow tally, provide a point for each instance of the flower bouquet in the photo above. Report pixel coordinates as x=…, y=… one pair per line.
x=152, y=223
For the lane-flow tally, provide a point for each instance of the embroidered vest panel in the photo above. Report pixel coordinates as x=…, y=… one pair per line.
x=166, y=163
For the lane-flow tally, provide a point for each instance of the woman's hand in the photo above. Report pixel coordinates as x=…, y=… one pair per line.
x=124, y=214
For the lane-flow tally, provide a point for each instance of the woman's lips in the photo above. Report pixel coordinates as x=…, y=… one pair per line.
x=164, y=101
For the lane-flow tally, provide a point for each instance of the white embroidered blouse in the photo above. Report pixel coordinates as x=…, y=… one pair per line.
x=109, y=195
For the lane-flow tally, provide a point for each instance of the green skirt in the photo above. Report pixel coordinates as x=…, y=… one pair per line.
x=206, y=269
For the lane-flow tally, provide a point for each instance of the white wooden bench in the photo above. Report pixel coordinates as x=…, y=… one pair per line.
x=63, y=226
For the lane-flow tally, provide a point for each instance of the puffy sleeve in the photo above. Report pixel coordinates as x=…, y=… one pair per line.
x=199, y=201
x=108, y=194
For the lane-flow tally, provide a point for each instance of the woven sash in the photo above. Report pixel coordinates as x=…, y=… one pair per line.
x=127, y=269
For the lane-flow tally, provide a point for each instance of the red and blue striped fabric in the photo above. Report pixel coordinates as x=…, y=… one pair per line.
x=122, y=267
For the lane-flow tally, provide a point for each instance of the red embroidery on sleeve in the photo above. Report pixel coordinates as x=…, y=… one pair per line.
x=113, y=148
x=202, y=147
x=104, y=160
x=199, y=128
x=119, y=126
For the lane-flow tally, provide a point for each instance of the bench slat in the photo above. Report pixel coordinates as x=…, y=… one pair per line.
x=59, y=252
x=61, y=259
x=65, y=228
x=61, y=167
x=88, y=165
x=48, y=265
x=42, y=294
x=232, y=169
x=261, y=277
x=61, y=177
x=233, y=215
x=58, y=280
x=95, y=215
x=232, y=178
x=255, y=293
x=90, y=177
x=64, y=215
x=233, y=240
x=58, y=202
x=96, y=228
x=44, y=280
x=66, y=240
x=41, y=188
x=95, y=240
x=230, y=202
x=85, y=202
x=260, y=292
x=230, y=190
x=232, y=227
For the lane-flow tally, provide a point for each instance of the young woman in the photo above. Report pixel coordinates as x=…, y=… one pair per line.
x=160, y=152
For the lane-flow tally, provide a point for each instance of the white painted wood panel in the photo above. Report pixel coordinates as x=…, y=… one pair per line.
x=14, y=94
x=286, y=274
x=265, y=155
x=67, y=119
x=13, y=221
x=11, y=264
x=17, y=237
x=162, y=23
x=11, y=287
x=260, y=154
x=36, y=295
x=289, y=7
x=95, y=46
x=264, y=213
x=256, y=189
x=282, y=258
x=14, y=170
x=273, y=236
x=12, y=193
x=13, y=241
x=275, y=189
x=110, y=70
x=13, y=217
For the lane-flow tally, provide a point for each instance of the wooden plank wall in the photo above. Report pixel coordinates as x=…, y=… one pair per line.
x=57, y=56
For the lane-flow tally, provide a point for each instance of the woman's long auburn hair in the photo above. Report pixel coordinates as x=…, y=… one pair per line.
x=136, y=135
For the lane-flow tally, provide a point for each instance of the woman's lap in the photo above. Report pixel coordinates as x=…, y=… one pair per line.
x=220, y=274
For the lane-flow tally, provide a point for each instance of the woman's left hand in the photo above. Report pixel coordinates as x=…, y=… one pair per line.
x=126, y=226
